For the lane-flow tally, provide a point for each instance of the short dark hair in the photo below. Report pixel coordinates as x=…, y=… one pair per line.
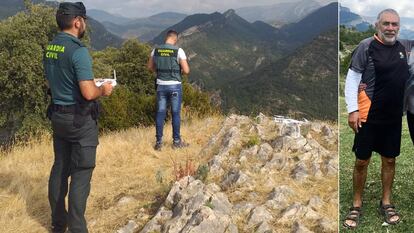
x=64, y=21
x=171, y=33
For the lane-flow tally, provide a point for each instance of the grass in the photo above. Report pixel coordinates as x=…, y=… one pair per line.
x=253, y=140
x=127, y=166
x=403, y=192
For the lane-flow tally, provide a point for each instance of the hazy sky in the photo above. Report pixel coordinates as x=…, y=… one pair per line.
x=143, y=8
x=372, y=7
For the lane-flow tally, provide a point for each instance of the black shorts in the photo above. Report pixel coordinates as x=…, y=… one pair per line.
x=385, y=139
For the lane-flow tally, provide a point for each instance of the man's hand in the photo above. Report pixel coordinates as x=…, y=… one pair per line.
x=354, y=121
x=362, y=87
x=107, y=89
x=90, y=91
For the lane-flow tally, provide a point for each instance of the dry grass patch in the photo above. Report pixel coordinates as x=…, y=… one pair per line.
x=124, y=183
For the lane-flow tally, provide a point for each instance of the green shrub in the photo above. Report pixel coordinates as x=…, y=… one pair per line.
x=253, y=140
x=202, y=172
x=23, y=97
x=133, y=103
x=209, y=204
x=159, y=177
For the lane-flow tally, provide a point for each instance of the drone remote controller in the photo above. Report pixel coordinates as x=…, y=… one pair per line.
x=112, y=81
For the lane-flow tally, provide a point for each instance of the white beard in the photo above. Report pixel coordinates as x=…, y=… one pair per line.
x=387, y=40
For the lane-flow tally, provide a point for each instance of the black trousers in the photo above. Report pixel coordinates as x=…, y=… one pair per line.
x=75, y=155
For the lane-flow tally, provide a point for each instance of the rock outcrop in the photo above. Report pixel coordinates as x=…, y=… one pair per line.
x=265, y=175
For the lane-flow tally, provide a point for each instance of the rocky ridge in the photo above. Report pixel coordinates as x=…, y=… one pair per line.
x=266, y=175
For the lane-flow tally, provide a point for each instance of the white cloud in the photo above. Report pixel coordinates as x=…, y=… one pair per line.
x=372, y=7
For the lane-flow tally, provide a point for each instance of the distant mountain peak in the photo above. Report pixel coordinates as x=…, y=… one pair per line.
x=220, y=24
x=345, y=9
x=352, y=20
x=282, y=12
x=168, y=14
x=229, y=13
x=103, y=16
x=320, y=20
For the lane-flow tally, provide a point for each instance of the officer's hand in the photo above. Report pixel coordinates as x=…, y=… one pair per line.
x=354, y=121
x=107, y=89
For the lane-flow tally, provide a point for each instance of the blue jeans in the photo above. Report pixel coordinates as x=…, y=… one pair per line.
x=168, y=94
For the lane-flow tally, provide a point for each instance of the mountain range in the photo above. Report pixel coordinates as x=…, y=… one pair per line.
x=147, y=28
x=362, y=23
x=302, y=84
x=321, y=20
x=228, y=54
x=254, y=66
x=280, y=13
x=10, y=7
x=144, y=29
x=103, y=16
x=351, y=19
x=100, y=37
x=222, y=47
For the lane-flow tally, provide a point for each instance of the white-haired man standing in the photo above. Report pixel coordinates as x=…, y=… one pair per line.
x=378, y=65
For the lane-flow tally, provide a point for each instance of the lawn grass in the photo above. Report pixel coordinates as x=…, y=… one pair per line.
x=403, y=192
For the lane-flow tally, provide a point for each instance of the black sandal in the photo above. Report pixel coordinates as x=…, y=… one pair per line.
x=354, y=215
x=389, y=211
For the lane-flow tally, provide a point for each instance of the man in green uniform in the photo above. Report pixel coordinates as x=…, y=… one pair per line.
x=73, y=112
x=169, y=61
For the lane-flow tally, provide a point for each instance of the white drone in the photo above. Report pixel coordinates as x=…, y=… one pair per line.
x=112, y=81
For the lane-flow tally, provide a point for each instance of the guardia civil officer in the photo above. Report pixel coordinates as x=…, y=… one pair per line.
x=73, y=112
x=169, y=62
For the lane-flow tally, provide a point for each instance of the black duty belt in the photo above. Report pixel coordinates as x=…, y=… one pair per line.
x=63, y=108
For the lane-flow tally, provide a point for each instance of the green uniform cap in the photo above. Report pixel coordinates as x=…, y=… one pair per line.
x=72, y=8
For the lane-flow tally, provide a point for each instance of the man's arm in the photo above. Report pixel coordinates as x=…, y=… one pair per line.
x=359, y=61
x=151, y=64
x=82, y=63
x=90, y=91
x=182, y=59
x=185, y=68
x=351, y=98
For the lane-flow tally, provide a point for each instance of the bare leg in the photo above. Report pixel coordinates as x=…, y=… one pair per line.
x=387, y=177
x=359, y=178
